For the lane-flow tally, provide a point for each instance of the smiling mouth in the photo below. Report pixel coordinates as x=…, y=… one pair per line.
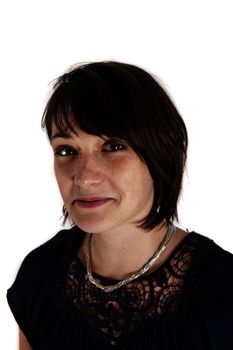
x=91, y=204
x=91, y=199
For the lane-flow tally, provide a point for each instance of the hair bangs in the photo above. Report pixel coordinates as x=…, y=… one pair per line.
x=93, y=105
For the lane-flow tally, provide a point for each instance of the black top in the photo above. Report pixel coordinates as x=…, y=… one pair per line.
x=186, y=304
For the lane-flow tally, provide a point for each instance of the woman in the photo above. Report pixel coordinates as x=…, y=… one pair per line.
x=123, y=276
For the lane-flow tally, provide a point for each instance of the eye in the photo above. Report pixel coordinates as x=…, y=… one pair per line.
x=65, y=151
x=114, y=146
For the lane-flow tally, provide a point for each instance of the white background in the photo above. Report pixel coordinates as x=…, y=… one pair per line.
x=188, y=44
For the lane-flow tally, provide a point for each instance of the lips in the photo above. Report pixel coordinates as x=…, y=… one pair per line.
x=91, y=199
x=91, y=203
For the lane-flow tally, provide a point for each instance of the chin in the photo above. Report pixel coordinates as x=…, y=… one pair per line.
x=91, y=226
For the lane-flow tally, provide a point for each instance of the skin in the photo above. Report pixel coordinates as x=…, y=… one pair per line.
x=23, y=343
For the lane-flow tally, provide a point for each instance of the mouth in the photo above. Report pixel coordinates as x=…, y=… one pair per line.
x=91, y=199
x=91, y=203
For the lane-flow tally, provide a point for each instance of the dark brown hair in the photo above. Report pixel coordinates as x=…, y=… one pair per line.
x=122, y=100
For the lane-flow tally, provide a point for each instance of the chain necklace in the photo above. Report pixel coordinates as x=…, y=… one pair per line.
x=170, y=232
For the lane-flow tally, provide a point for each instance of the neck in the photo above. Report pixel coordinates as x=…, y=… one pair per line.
x=117, y=255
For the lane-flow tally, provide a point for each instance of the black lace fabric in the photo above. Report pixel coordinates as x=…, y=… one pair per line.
x=121, y=311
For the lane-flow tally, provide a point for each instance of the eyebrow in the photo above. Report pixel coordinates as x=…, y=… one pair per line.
x=59, y=135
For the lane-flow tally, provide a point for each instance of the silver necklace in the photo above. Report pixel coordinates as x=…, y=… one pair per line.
x=170, y=232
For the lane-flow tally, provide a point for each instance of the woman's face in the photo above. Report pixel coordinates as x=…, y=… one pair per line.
x=89, y=166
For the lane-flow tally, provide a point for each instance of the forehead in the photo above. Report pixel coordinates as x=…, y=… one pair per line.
x=64, y=130
x=67, y=123
x=76, y=132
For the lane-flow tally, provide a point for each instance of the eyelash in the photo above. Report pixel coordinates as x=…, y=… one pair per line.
x=70, y=149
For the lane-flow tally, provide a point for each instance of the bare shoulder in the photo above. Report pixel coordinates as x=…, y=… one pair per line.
x=23, y=343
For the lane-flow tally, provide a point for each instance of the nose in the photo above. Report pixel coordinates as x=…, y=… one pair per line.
x=87, y=171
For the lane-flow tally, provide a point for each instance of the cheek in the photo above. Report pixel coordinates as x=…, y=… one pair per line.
x=122, y=171
x=118, y=167
x=134, y=177
x=62, y=178
x=63, y=169
x=143, y=183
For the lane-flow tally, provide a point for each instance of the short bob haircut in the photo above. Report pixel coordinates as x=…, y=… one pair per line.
x=121, y=100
